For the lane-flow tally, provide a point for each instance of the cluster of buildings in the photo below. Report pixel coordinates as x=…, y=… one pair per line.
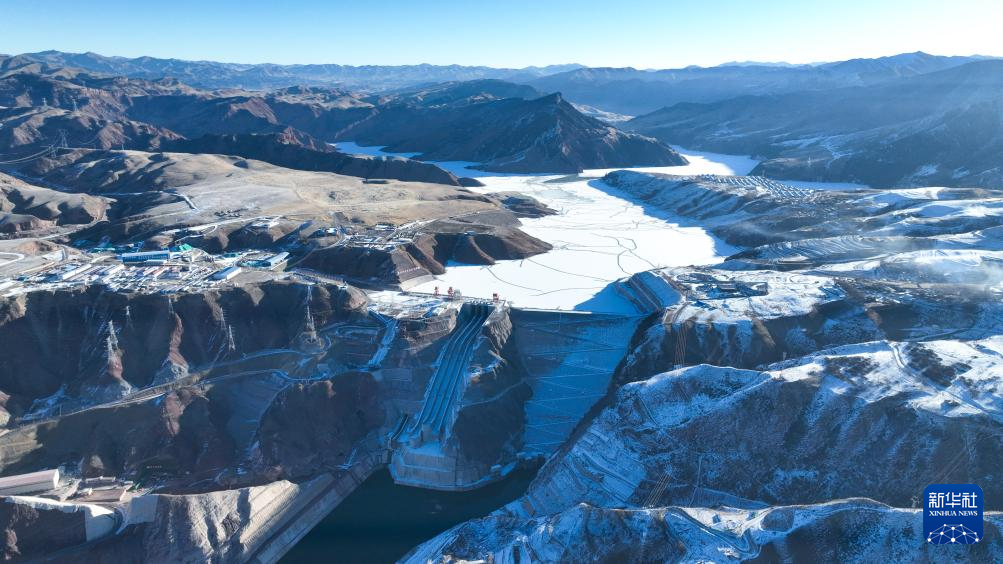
x=175, y=269
x=95, y=498
x=271, y=262
x=383, y=236
x=704, y=286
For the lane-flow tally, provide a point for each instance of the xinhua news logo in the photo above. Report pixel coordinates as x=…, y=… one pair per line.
x=952, y=514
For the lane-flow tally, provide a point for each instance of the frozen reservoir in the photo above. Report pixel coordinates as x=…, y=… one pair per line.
x=599, y=235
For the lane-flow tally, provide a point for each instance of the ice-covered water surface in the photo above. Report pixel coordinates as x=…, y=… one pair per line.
x=699, y=163
x=599, y=235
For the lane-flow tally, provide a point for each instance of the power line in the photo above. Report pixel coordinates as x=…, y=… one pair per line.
x=37, y=155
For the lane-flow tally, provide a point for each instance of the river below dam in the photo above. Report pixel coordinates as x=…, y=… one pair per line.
x=381, y=521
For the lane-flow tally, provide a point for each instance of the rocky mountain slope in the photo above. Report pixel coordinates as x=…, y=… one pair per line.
x=26, y=207
x=948, y=133
x=512, y=135
x=47, y=110
x=815, y=270
x=290, y=149
x=879, y=420
x=754, y=211
x=459, y=93
x=153, y=192
x=683, y=466
x=487, y=121
x=468, y=242
x=30, y=132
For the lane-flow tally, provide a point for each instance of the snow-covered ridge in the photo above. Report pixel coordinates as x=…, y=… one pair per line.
x=850, y=530
x=751, y=211
x=874, y=420
x=741, y=318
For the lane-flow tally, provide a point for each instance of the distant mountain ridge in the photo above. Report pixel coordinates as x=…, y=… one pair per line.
x=505, y=126
x=266, y=76
x=623, y=90
x=908, y=119
x=635, y=92
x=938, y=128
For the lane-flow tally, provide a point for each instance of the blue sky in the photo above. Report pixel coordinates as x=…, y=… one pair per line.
x=510, y=33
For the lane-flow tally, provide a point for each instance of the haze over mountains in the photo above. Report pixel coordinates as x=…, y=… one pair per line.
x=635, y=92
x=212, y=75
x=623, y=90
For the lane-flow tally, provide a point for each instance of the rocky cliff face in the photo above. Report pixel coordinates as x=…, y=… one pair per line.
x=470, y=243
x=315, y=426
x=61, y=337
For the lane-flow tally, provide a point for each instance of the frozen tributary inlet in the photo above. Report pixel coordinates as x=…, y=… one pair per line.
x=599, y=235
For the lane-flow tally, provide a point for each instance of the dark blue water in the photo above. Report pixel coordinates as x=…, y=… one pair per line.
x=381, y=521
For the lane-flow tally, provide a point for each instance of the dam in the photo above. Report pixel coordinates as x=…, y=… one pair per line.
x=560, y=362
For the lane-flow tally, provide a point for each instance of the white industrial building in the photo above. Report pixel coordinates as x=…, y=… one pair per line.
x=145, y=256
x=226, y=273
x=113, y=269
x=70, y=273
x=275, y=260
x=42, y=481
